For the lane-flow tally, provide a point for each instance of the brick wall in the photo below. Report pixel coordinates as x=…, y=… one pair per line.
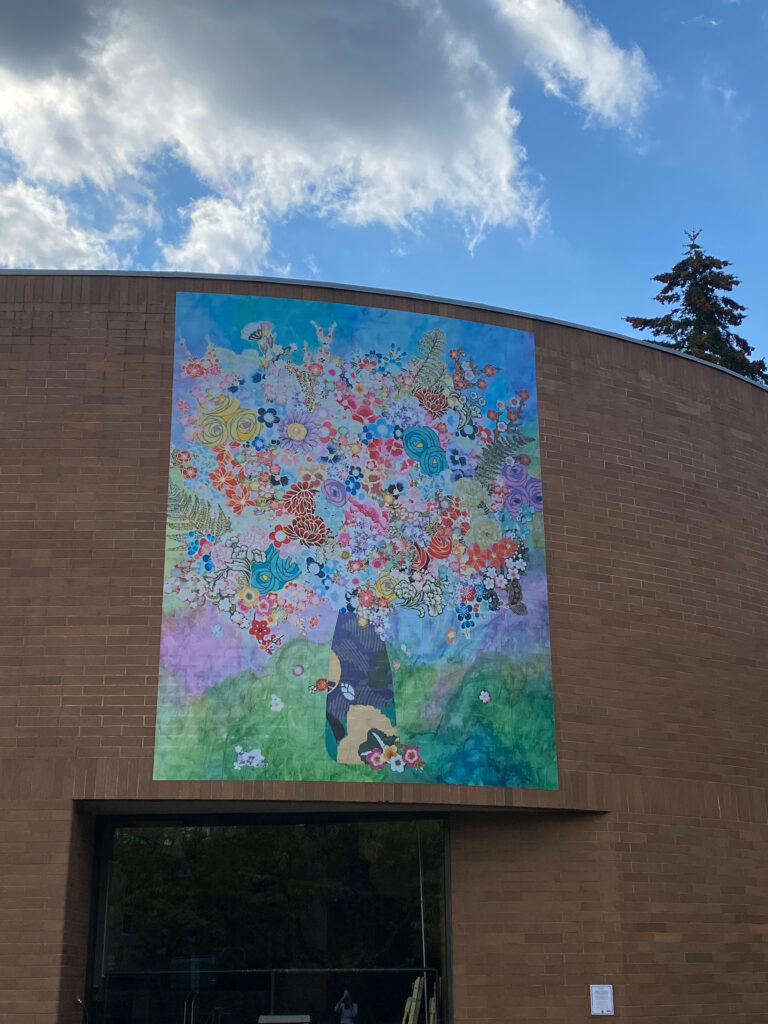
x=670, y=911
x=655, y=479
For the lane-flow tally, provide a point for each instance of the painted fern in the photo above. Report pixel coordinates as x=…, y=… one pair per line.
x=495, y=454
x=431, y=366
x=188, y=512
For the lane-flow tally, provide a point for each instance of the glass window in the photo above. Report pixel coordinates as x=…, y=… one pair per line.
x=229, y=922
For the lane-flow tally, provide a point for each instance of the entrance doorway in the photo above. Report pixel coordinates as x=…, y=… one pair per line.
x=213, y=923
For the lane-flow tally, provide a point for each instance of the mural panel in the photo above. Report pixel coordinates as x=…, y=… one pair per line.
x=355, y=582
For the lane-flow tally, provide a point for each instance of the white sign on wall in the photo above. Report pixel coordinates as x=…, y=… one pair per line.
x=601, y=1000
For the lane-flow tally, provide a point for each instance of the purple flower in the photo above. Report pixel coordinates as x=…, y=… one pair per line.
x=335, y=491
x=514, y=475
x=533, y=490
x=516, y=500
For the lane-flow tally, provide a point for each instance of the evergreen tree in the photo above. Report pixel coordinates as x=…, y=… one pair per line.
x=702, y=319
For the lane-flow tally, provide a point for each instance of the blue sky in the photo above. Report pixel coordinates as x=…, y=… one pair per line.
x=534, y=154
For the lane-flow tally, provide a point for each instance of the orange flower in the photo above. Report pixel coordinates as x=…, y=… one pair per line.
x=223, y=478
x=239, y=498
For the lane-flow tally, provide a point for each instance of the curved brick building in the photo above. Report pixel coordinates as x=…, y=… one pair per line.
x=509, y=863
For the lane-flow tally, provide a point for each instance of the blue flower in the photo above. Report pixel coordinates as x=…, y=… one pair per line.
x=268, y=416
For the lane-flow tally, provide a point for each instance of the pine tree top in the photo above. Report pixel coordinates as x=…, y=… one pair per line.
x=702, y=319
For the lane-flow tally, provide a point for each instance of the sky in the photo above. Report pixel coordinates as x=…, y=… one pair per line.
x=541, y=155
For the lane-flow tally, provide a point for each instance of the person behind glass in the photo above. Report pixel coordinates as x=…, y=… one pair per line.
x=346, y=1009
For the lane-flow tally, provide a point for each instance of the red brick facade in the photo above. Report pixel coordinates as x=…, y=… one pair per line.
x=656, y=483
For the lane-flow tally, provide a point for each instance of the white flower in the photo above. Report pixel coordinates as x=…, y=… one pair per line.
x=275, y=704
x=396, y=763
x=484, y=696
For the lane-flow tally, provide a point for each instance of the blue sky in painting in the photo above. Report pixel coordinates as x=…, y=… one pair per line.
x=541, y=155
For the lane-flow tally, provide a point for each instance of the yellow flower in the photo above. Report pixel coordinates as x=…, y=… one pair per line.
x=296, y=431
x=484, y=531
x=248, y=596
x=388, y=753
x=385, y=587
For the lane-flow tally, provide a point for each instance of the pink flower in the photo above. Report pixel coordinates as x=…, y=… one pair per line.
x=375, y=759
x=411, y=755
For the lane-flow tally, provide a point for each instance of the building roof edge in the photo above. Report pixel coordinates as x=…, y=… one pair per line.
x=362, y=289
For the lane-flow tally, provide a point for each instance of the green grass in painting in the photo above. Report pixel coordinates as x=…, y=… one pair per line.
x=508, y=741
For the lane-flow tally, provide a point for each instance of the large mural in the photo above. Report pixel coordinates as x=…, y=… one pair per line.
x=355, y=581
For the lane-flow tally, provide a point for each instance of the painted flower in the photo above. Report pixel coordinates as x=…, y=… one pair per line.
x=265, y=604
x=239, y=498
x=450, y=636
x=279, y=536
x=375, y=759
x=335, y=492
x=248, y=596
x=300, y=497
x=484, y=696
x=297, y=431
x=411, y=755
x=396, y=763
x=385, y=587
x=222, y=477
x=389, y=752
x=432, y=400
x=308, y=529
x=268, y=417
x=275, y=704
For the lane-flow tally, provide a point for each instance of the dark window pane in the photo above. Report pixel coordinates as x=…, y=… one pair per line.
x=222, y=908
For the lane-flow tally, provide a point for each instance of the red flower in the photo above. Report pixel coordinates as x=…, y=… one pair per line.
x=321, y=684
x=496, y=555
x=190, y=472
x=194, y=368
x=433, y=401
x=182, y=457
x=300, y=498
x=440, y=546
x=279, y=536
x=309, y=529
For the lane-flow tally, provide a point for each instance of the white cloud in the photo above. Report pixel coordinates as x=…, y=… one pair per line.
x=222, y=238
x=37, y=232
x=367, y=113
x=577, y=59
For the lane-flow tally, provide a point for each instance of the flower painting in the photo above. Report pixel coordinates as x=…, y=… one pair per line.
x=354, y=551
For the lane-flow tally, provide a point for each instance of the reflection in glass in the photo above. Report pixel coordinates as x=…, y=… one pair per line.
x=232, y=921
